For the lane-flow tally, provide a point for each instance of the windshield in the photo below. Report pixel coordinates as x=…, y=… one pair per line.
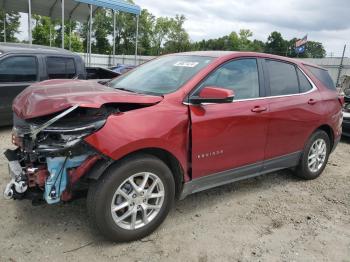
x=163, y=75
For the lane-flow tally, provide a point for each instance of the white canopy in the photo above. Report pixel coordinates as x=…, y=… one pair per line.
x=78, y=10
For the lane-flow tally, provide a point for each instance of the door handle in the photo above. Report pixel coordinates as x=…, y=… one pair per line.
x=259, y=109
x=312, y=101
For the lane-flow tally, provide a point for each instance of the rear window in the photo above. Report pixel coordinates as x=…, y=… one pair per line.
x=60, y=67
x=323, y=76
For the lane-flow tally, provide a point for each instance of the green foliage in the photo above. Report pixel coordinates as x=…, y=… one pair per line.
x=41, y=31
x=147, y=21
x=45, y=28
x=231, y=42
x=12, y=25
x=156, y=36
x=160, y=33
x=276, y=44
x=315, y=50
x=102, y=28
x=177, y=38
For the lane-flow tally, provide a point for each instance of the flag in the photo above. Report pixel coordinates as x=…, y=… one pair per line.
x=300, y=45
x=300, y=49
x=301, y=42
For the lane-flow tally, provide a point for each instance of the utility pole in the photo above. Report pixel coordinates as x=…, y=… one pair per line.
x=340, y=66
x=5, y=27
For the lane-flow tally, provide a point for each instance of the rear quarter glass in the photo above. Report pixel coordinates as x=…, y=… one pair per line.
x=323, y=76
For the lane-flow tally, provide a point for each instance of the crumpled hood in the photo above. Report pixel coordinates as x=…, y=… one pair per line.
x=52, y=96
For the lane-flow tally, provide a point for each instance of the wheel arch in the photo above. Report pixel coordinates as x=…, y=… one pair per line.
x=168, y=158
x=171, y=161
x=328, y=129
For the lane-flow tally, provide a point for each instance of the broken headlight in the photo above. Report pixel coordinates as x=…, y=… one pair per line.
x=58, y=132
x=53, y=138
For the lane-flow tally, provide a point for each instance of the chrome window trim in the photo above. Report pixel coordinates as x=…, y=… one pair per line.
x=314, y=88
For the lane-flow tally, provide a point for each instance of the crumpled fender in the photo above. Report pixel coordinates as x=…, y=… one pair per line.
x=162, y=126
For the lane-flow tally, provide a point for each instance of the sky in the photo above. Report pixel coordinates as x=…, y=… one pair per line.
x=326, y=21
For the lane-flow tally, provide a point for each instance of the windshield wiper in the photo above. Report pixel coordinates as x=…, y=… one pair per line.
x=125, y=89
x=137, y=91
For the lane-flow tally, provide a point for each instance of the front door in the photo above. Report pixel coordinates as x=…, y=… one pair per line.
x=232, y=135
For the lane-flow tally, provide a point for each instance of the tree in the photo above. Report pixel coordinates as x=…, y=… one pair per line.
x=156, y=36
x=257, y=46
x=102, y=27
x=244, y=42
x=276, y=44
x=160, y=33
x=178, y=38
x=12, y=25
x=312, y=49
x=315, y=50
x=41, y=32
x=146, y=24
x=48, y=32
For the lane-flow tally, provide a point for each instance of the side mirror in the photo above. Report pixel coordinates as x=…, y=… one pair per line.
x=213, y=94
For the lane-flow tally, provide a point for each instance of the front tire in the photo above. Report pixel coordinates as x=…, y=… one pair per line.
x=315, y=156
x=132, y=198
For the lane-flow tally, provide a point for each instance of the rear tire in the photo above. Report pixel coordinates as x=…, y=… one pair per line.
x=315, y=156
x=122, y=203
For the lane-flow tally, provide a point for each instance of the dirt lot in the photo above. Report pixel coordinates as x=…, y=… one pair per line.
x=276, y=217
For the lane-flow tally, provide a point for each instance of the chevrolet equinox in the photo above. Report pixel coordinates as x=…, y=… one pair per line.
x=176, y=125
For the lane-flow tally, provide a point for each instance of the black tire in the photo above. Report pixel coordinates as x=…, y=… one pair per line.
x=303, y=171
x=101, y=193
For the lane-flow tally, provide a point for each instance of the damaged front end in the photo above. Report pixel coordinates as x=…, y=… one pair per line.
x=51, y=155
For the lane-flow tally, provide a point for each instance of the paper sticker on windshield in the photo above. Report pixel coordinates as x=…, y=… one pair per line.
x=186, y=64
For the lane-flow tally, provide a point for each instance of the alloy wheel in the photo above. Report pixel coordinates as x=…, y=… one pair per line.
x=317, y=155
x=137, y=201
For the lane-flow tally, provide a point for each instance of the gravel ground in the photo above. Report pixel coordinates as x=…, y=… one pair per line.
x=275, y=217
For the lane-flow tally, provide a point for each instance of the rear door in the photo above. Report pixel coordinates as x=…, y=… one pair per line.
x=295, y=108
x=16, y=73
x=232, y=135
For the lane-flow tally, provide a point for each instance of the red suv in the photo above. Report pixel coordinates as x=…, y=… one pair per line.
x=174, y=126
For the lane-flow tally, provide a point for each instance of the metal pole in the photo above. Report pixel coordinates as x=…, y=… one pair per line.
x=30, y=21
x=5, y=27
x=50, y=34
x=87, y=44
x=62, y=26
x=90, y=31
x=70, y=35
x=137, y=36
x=340, y=66
x=114, y=36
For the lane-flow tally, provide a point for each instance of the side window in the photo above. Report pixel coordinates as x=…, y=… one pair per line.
x=60, y=67
x=18, y=69
x=283, y=78
x=241, y=76
x=305, y=85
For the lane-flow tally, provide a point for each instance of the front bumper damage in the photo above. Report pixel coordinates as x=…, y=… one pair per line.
x=52, y=159
x=17, y=186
